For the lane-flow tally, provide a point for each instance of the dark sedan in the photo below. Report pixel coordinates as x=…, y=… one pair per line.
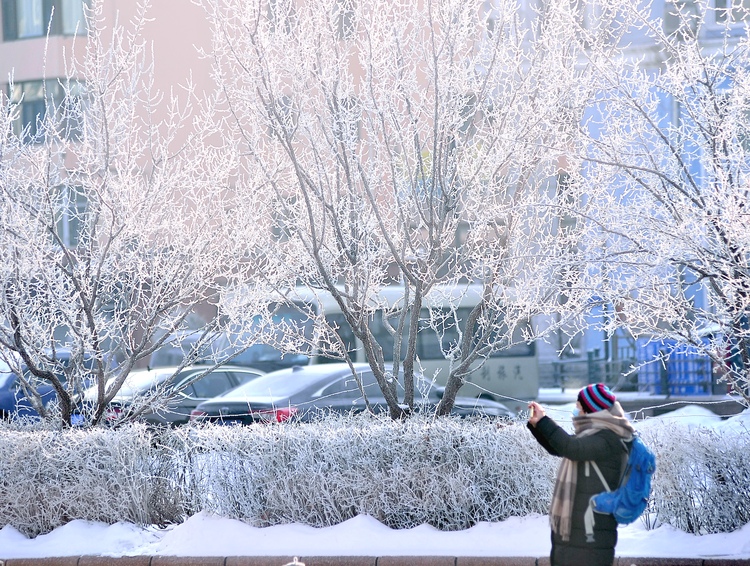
x=303, y=391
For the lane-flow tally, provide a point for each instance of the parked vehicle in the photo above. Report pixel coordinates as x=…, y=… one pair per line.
x=173, y=396
x=466, y=406
x=304, y=391
x=13, y=400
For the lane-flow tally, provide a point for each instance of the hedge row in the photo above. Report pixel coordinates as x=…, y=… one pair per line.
x=449, y=473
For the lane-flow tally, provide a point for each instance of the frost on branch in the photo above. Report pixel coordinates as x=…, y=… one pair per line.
x=663, y=161
x=116, y=221
x=411, y=143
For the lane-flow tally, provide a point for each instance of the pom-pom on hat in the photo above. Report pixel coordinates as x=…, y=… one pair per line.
x=596, y=397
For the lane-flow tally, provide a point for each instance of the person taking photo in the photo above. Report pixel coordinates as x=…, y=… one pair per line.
x=601, y=430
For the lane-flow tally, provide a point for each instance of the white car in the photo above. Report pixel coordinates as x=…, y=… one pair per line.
x=173, y=396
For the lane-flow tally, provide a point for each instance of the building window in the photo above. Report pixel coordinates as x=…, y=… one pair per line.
x=70, y=215
x=284, y=225
x=36, y=100
x=346, y=120
x=281, y=16
x=345, y=20
x=32, y=18
x=681, y=17
x=489, y=16
x=732, y=11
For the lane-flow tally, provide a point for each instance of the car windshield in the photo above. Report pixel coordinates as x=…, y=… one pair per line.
x=284, y=320
x=138, y=382
x=174, y=351
x=277, y=384
x=266, y=357
x=5, y=378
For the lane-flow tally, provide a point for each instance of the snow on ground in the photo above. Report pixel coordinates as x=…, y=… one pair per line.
x=207, y=535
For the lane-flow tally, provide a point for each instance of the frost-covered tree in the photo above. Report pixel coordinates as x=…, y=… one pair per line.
x=415, y=143
x=116, y=221
x=662, y=178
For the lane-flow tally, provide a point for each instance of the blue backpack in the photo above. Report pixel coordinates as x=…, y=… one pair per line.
x=630, y=499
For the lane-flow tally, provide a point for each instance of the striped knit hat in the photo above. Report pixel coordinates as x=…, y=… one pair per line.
x=596, y=397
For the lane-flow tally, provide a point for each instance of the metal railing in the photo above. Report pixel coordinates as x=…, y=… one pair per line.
x=669, y=377
x=574, y=374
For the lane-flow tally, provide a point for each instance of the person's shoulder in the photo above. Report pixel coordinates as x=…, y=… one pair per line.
x=613, y=439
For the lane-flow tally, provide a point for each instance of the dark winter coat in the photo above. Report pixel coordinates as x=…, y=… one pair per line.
x=608, y=451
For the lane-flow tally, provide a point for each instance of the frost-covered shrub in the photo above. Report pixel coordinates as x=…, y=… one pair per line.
x=446, y=472
x=49, y=477
x=702, y=479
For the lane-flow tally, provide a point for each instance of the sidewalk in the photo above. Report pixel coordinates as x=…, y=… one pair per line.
x=642, y=404
x=348, y=561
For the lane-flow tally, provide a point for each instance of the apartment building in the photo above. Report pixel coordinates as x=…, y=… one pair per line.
x=39, y=38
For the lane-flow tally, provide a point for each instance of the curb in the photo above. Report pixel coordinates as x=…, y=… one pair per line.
x=349, y=561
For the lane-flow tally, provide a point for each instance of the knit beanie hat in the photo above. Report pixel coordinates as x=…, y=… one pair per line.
x=596, y=397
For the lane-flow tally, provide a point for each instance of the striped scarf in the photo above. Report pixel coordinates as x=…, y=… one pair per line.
x=561, y=509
